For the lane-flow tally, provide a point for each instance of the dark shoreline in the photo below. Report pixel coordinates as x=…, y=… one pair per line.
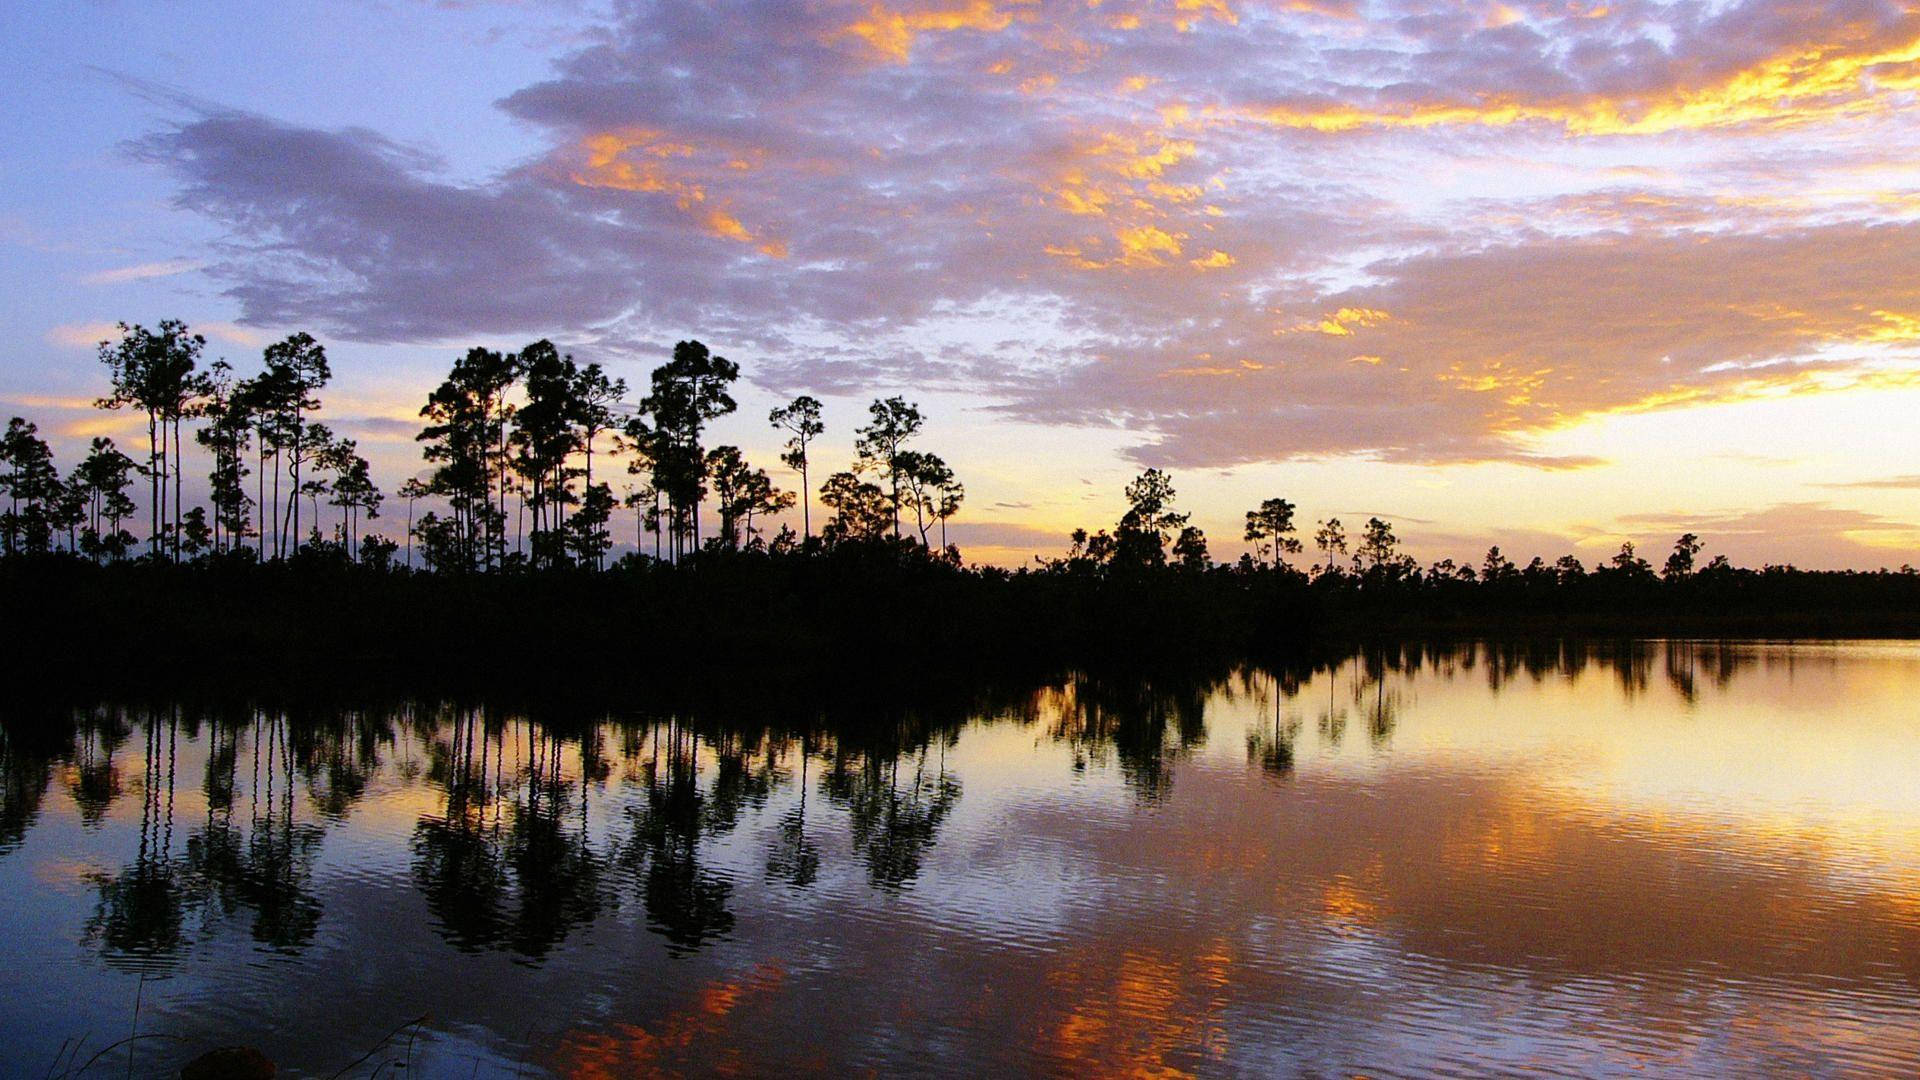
x=851, y=622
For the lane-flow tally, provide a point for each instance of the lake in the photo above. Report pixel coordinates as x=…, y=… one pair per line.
x=1638, y=858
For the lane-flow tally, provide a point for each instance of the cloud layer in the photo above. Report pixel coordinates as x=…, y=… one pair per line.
x=1418, y=231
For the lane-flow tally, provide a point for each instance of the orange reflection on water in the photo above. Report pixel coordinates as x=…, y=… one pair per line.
x=708, y=1024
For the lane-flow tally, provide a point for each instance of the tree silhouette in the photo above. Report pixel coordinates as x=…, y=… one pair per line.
x=296, y=370
x=153, y=371
x=1331, y=539
x=687, y=392
x=1680, y=563
x=466, y=439
x=1150, y=521
x=800, y=418
x=228, y=431
x=32, y=486
x=878, y=447
x=861, y=510
x=1270, y=529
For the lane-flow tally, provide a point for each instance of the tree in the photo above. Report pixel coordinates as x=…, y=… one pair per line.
x=546, y=435
x=743, y=493
x=800, y=418
x=466, y=440
x=1150, y=521
x=951, y=495
x=354, y=491
x=32, y=484
x=930, y=485
x=289, y=389
x=1496, y=568
x=1331, y=539
x=229, y=424
x=153, y=371
x=687, y=392
x=195, y=536
x=1680, y=563
x=105, y=475
x=1378, y=546
x=587, y=534
x=412, y=491
x=878, y=446
x=1627, y=564
x=1269, y=529
x=1190, y=549
x=861, y=511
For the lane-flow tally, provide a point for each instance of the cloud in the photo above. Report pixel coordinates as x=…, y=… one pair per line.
x=1813, y=535
x=1906, y=482
x=89, y=335
x=82, y=335
x=142, y=272
x=1221, y=226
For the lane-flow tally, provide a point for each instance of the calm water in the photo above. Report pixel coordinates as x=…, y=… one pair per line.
x=1664, y=858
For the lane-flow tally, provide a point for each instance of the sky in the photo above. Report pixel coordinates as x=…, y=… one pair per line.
x=1550, y=275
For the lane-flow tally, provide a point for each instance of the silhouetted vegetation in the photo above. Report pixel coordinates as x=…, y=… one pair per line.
x=509, y=572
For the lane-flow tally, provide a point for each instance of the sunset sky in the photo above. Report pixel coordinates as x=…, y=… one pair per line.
x=1551, y=275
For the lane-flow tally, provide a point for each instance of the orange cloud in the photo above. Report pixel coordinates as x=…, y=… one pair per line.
x=891, y=34
x=1810, y=83
x=635, y=159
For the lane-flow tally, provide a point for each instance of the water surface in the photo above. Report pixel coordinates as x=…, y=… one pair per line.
x=1655, y=858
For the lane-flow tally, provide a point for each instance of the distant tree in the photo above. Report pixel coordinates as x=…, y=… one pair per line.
x=32, y=485
x=1680, y=563
x=687, y=392
x=545, y=437
x=1378, y=547
x=68, y=511
x=1270, y=529
x=376, y=553
x=729, y=473
x=296, y=371
x=412, y=491
x=929, y=483
x=595, y=395
x=1626, y=563
x=466, y=440
x=1568, y=569
x=950, y=495
x=587, y=532
x=861, y=510
x=226, y=435
x=104, y=476
x=879, y=445
x=1150, y=521
x=1497, y=567
x=354, y=491
x=1190, y=549
x=153, y=371
x=196, y=536
x=800, y=418
x=1331, y=539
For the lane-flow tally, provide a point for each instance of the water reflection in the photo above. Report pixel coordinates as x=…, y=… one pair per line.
x=1462, y=858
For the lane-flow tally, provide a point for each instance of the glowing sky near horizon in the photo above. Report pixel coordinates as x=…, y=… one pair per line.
x=1551, y=275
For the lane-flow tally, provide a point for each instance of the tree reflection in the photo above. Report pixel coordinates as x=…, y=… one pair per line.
x=685, y=902
x=506, y=864
x=26, y=772
x=1270, y=746
x=795, y=858
x=1145, y=724
x=894, y=818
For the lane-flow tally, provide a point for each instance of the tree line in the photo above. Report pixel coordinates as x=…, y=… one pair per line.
x=1152, y=535
x=511, y=441
x=523, y=450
